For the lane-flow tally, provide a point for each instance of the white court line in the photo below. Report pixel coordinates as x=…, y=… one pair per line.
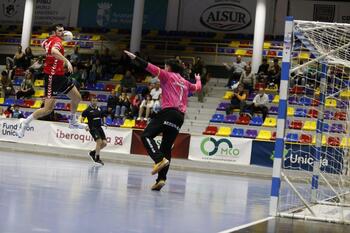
x=247, y=225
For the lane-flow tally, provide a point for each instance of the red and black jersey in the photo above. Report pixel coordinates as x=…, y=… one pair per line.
x=52, y=65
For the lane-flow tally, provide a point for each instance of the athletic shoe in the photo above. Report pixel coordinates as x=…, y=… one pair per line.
x=159, y=166
x=21, y=128
x=92, y=155
x=158, y=185
x=74, y=124
x=98, y=160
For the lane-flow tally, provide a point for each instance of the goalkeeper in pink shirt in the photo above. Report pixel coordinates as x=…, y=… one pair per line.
x=168, y=121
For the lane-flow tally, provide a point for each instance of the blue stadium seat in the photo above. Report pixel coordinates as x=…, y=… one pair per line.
x=237, y=132
x=218, y=118
x=306, y=101
x=9, y=101
x=256, y=120
x=292, y=137
x=300, y=112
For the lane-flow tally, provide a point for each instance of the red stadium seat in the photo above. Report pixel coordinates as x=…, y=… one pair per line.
x=211, y=130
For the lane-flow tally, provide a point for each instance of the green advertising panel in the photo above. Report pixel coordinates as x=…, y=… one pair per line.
x=118, y=14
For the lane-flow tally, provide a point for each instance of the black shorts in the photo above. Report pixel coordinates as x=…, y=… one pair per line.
x=57, y=85
x=98, y=133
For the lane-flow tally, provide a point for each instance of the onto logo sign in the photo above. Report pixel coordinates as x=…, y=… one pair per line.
x=209, y=147
x=226, y=17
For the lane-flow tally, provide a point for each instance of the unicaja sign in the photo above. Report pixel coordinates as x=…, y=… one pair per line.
x=226, y=17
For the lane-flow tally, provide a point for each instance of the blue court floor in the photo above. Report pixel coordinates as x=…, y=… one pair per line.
x=56, y=194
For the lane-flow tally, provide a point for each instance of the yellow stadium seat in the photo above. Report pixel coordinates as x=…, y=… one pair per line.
x=264, y=135
x=304, y=55
x=309, y=125
x=345, y=94
x=96, y=37
x=270, y=122
x=234, y=44
x=345, y=142
x=37, y=104
x=39, y=93
x=331, y=103
x=276, y=99
x=43, y=36
x=224, y=131
x=228, y=95
x=240, y=52
x=128, y=124
x=117, y=87
x=267, y=45
x=39, y=83
x=2, y=100
x=117, y=77
x=290, y=111
x=81, y=107
x=147, y=79
x=272, y=89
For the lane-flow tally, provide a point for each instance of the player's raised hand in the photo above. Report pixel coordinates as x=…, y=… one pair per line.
x=131, y=55
x=69, y=66
x=197, y=76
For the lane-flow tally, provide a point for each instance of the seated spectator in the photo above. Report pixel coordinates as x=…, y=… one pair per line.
x=157, y=105
x=18, y=59
x=6, y=85
x=156, y=91
x=275, y=73
x=77, y=78
x=96, y=72
x=238, y=100
x=37, y=68
x=236, y=70
x=112, y=102
x=135, y=106
x=28, y=58
x=16, y=113
x=145, y=107
x=26, y=89
x=75, y=56
x=204, y=80
x=187, y=71
x=147, y=91
x=8, y=112
x=260, y=102
x=248, y=79
x=128, y=83
x=124, y=64
x=263, y=71
x=123, y=106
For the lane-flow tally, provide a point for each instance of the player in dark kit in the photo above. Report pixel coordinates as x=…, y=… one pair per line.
x=55, y=81
x=168, y=121
x=95, y=119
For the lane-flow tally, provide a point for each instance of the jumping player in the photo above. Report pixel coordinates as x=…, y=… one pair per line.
x=169, y=120
x=55, y=81
x=95, y=121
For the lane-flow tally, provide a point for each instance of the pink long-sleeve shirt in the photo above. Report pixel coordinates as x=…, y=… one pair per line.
x=175, y=88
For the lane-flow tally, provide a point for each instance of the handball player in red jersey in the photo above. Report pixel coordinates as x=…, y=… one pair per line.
x=55, y=81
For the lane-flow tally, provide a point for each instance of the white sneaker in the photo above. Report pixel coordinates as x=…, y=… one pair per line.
x=74, y=124
x=21, y=128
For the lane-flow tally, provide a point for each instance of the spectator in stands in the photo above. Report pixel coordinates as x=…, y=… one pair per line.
x=6, y=85
x=77, y=78
x=8, y=112
x=106, y=60
x=18, y=59
x=112, y=102
x=156, y=91
x=128, y=83
x=238, y=100
x=26, y=89
x=260, y=102
x=37, y=67
x=96, y=72
x=204, y=80
x=124, y=64
x=275, y=73
x=146, y=107
x=248, y=79
x=75, y=56
x=135, y=106
x=2, y=113
x=95, y=57
x=263, y=71
x=157, y=105
x=28, y=58
x=187, y=72
x=16, y=113
x=123, y=106
x=198, y=67
x=236, y=70
x=298, y=78
x=147, y=91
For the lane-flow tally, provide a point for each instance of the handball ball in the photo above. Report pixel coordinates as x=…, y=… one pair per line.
x=68, y=36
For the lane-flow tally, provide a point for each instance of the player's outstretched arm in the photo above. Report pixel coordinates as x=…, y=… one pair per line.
x=198, y=85
x=153, y=69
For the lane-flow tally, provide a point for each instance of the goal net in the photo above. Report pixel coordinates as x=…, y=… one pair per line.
x=314, y=173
